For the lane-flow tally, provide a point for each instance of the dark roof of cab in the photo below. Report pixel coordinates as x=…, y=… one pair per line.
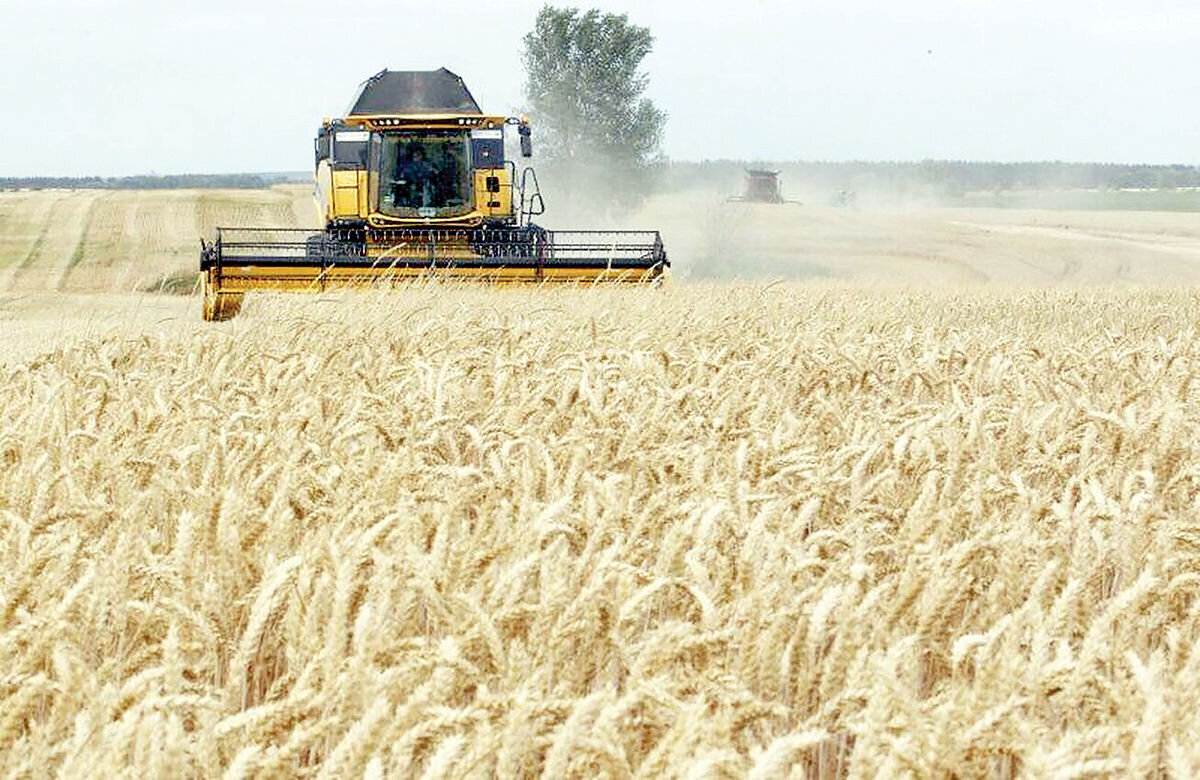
x=413, y=92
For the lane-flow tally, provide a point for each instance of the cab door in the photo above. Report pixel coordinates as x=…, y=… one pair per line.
x=374, y=157
x=349, y=174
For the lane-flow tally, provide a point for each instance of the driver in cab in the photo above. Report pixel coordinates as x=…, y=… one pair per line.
x=418, y=174
x=417, y=170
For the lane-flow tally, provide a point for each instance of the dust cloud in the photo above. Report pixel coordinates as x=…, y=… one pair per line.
x=876, y=225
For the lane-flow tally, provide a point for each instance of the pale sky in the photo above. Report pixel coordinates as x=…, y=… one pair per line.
x=214, y=86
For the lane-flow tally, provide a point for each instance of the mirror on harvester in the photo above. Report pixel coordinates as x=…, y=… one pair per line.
x=526, y=142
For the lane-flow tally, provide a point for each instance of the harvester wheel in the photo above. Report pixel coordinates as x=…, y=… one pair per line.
x=219, y=306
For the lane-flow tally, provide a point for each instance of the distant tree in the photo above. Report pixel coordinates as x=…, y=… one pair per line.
x=585, y=89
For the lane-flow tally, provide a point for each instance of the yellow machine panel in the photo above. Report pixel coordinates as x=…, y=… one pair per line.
x=494, y=192
x=349, y=194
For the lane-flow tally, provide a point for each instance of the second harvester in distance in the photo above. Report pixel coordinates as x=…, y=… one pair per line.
x=414, y=181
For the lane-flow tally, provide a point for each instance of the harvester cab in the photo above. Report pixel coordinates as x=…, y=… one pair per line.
x=414, y=181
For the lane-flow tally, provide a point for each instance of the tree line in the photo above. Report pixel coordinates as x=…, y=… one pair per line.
x=237, y=181
x=948, y=176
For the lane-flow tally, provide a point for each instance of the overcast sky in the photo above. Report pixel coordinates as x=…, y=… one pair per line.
x=129, y=86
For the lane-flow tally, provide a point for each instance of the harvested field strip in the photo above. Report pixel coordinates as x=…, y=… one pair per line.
x=129, y=239
x=303, y=209
x=119, y=265
x=83, y=241
x=24, y=224
x=164, y=231
x=51, y=257
x=23, y=217
x=256, y=207
x=36, y=248
x=112, y=246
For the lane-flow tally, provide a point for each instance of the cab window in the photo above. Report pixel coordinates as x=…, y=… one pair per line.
x=350, y=147
x=425, y=175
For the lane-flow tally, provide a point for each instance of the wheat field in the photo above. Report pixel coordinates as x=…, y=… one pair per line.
x=790, y=530
x=71, y=241
x=63, y=242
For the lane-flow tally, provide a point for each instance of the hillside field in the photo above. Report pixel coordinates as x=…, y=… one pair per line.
x=125, y=240
x=918, y=495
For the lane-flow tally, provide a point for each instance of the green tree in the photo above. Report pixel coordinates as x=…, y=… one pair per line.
x=593, y=127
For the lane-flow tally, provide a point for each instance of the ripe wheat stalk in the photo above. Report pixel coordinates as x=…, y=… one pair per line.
x=705, y=530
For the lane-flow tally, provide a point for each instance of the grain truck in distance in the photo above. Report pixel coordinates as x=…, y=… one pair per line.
x=414, y=182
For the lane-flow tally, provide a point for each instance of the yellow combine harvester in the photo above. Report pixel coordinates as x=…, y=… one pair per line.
x=414, y=182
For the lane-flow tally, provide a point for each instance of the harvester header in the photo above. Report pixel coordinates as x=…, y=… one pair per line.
x=415, y=181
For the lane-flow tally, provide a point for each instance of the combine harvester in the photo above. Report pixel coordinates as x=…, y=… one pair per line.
x=414, y=183
x=761, y=187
